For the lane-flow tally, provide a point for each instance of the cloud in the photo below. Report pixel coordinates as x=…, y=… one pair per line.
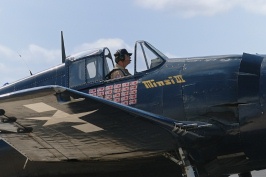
x=15, y=65
x=255, y=6
x=35, y=53
x=6, y=52
x=113, y=44
x=188, y=8
x=191, y=8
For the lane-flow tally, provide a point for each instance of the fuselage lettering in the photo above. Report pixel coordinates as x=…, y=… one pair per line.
x=178, y=79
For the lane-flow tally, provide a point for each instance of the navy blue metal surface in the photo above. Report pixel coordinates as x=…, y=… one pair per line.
x=251, y=118
x=53, y=76
x=210, y=90
x=214, y=107
x=249, y=78
x=173, y=105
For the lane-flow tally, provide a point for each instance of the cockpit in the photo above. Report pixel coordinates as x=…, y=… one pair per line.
x=91, y=67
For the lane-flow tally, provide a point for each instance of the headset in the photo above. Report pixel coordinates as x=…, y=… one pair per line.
x=121, y=57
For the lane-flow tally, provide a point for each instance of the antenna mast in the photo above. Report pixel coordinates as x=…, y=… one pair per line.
x=63, y=48
x=25, y=63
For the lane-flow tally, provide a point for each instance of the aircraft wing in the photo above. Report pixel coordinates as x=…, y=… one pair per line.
x=54, y=123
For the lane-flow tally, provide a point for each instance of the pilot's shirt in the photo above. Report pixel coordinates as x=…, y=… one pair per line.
x=120, y=72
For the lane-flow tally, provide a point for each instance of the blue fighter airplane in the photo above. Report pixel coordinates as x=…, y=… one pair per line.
x=193, y=117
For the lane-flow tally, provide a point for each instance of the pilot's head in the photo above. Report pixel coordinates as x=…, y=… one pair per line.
x=123, y=56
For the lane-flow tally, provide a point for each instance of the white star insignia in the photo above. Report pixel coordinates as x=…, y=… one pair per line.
x=61, y=116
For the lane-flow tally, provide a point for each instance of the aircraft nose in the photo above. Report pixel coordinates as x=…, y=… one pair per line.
x=251, y=85
x=249, y=75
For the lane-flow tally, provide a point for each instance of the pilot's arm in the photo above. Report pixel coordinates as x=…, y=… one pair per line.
x=117, y=74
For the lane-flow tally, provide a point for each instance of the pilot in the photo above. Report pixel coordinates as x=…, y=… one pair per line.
x=122, y=59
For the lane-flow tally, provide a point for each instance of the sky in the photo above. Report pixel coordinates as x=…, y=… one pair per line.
x=30, y=29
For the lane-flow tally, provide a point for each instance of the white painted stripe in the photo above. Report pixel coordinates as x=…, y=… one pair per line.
x=87, y=128
x=40, y=107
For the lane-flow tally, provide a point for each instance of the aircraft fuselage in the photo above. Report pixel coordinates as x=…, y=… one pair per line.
x=228, y=91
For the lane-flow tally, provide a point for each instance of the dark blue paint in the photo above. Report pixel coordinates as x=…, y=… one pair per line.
x=227, y=91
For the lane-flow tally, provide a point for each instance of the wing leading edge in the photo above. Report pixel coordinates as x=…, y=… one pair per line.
x=54, y=123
